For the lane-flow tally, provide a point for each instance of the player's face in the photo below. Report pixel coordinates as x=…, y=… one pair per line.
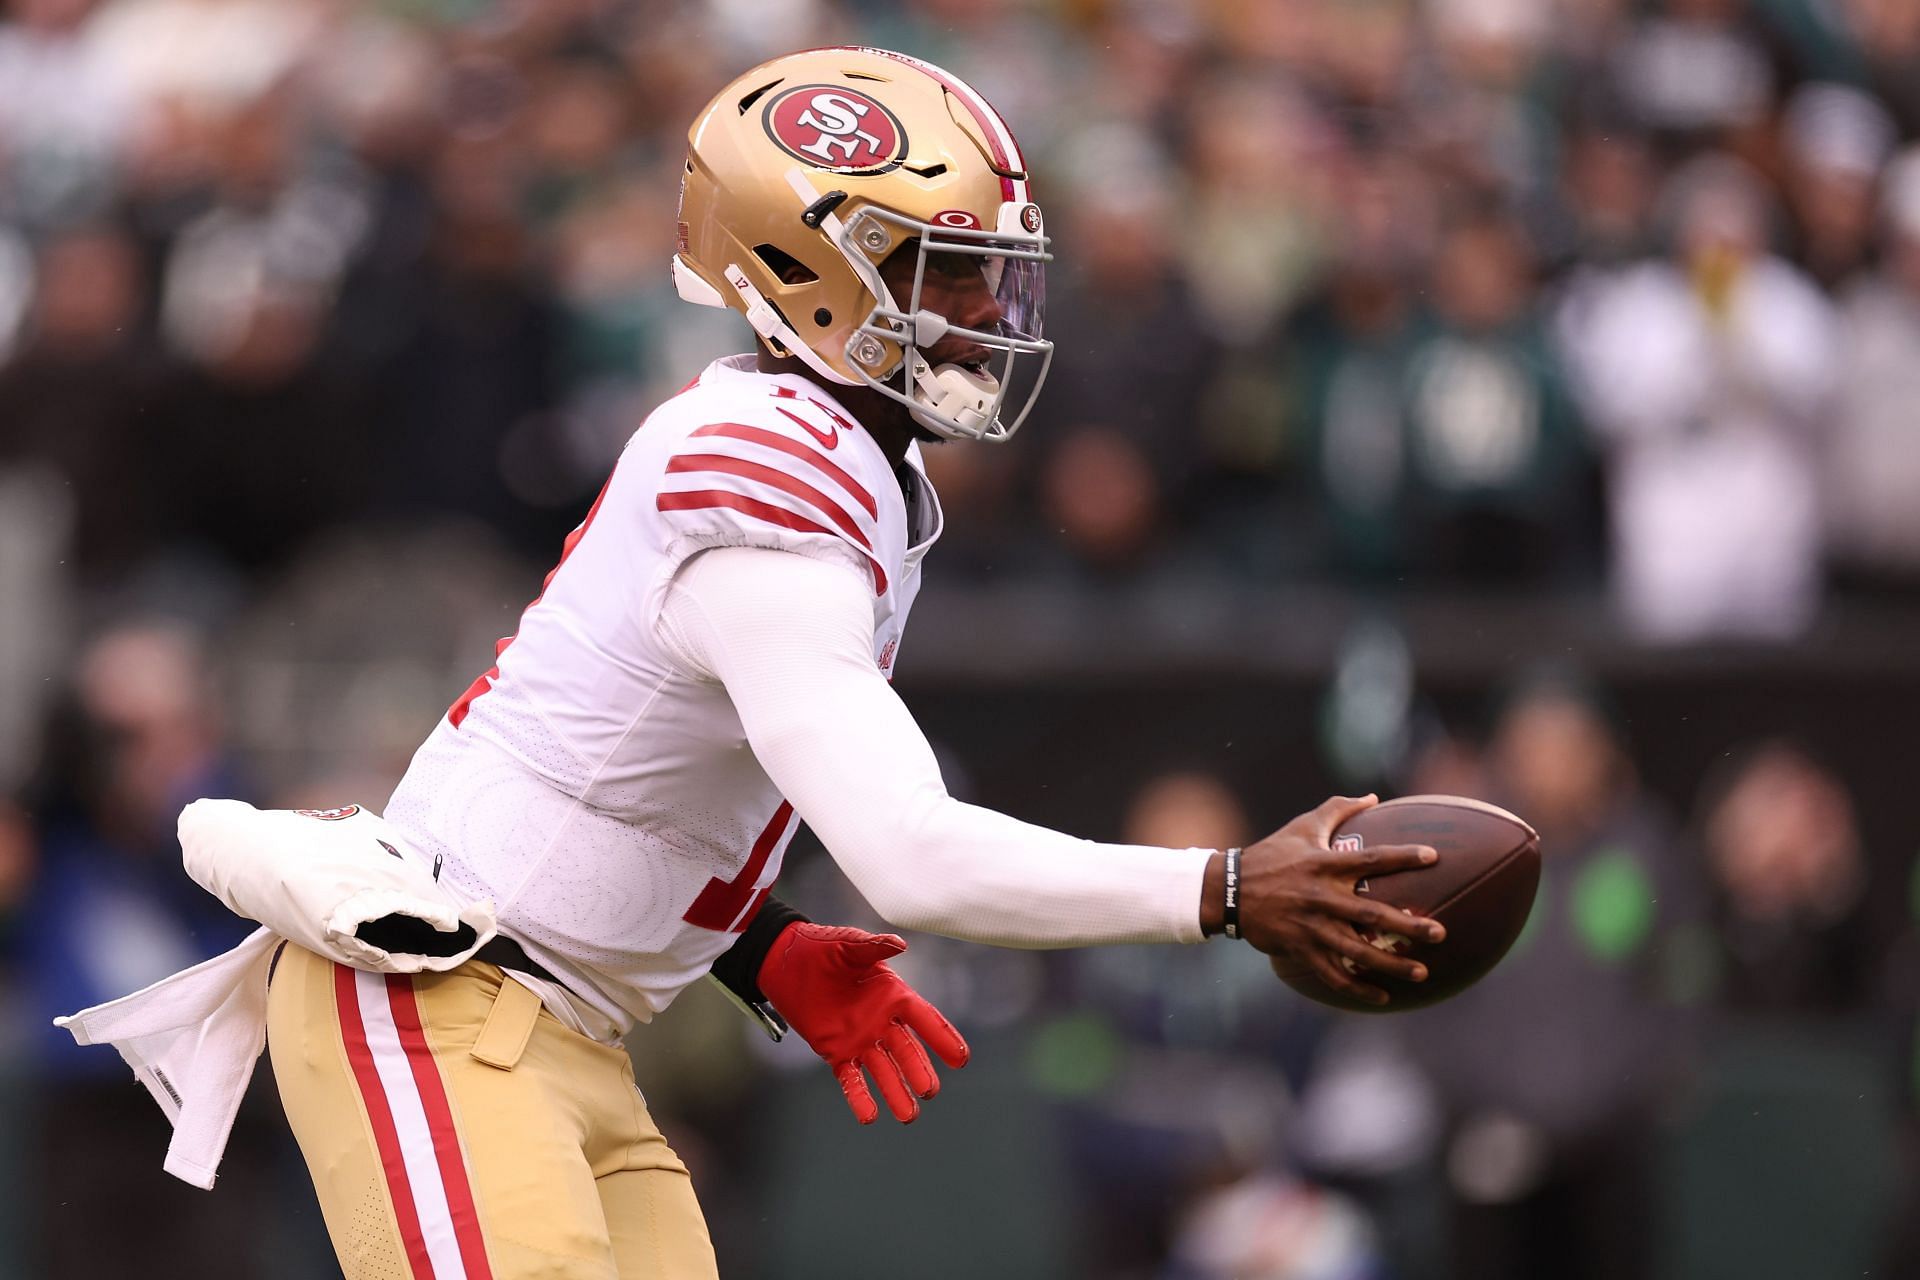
x=954, y=285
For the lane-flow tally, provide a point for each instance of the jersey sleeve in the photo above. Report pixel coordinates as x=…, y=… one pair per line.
x=792, y=645
x=781, y=485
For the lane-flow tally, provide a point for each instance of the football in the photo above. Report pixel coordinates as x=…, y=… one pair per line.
x=1481, y=889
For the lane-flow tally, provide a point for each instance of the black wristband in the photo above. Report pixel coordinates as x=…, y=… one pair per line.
x=1230, y=906
x=738, y=968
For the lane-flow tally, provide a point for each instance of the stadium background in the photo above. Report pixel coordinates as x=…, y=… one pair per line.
x=1489, y=396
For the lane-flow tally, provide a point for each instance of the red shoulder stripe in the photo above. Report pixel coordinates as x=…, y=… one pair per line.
x=703, y=499
x=773, y=477
x=794, y=449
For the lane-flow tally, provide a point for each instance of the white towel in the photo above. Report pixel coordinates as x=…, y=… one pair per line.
x=192, y=1039
x=313, y=877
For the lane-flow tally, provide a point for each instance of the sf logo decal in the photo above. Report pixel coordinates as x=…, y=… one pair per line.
x=838, y=120
x=836, y=128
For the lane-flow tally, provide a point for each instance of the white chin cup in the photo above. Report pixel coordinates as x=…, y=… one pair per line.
x=959, y=396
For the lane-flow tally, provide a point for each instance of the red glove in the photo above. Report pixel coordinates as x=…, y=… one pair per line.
x=833, y=985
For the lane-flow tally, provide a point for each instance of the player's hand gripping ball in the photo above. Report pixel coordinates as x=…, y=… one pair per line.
x=1481, y=889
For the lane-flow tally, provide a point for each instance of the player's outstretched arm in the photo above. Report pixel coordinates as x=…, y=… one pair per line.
x=792, y=639
x=1297, y=898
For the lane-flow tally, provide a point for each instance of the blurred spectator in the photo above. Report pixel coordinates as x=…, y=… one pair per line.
x=1496, y=451
x=1482, y=118
x=477, y=366
x=1366, y=720
x=79, y=399
x=1102, y=494
x=1446, y=439
x=35, y=515
x=19, y=858
x=348, y=658
x=1208, y=1026
x=1873, y=455
x=1694, y=71
x=1552, y=1068
x=1706, y=376
x=1836, y=140
x=1143, y=59
x=248, y=281
x=1347, y=353
x=1440, y=762
x=64, y=115
x=109, y=911
x=1127, y=392
x=112, y=907
x=1781, y=843
x=1607, y=191
x=1186, y=811
x=203, y=55
x=263, y=448
x=1275, y=1228
x=1252, y=234
x=1362, y=57
x=16, y=288
x=1881, y=52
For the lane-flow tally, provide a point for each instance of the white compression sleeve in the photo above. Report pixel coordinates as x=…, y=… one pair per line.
x=791, y=638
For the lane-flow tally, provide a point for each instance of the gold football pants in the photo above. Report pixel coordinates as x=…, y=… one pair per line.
x=456, y=1130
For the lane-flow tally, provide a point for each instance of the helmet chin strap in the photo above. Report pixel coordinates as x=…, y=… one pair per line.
x=957, y=394
x=770, y=325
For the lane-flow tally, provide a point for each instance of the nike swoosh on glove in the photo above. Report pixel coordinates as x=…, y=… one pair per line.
x=833, y=985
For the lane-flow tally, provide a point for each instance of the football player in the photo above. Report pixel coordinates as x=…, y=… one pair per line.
x=707, y=667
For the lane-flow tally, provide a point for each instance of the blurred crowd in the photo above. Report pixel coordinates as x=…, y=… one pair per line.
x=1522, y=294
x=322, y=320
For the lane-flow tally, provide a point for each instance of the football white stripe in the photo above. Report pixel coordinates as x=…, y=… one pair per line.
x=410, y=1121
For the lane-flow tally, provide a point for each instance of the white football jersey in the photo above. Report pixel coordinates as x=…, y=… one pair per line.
x=609, y=805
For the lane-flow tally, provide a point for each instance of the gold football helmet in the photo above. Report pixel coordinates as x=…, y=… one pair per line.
x=807, y=172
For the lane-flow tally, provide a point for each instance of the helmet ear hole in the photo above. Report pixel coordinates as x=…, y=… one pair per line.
x=786, y=268
x=822, y=317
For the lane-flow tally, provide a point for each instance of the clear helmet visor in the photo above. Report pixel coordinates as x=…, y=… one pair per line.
x=1020, y=289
